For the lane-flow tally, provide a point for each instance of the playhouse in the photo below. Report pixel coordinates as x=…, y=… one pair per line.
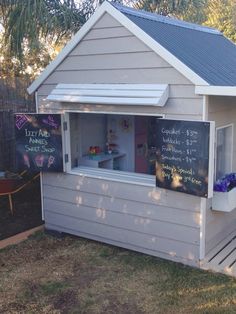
x=132, y=87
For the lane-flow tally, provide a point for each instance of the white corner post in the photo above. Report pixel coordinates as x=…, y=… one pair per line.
x=203, y=200
x=203, y=203
x=202, y=221
x=205, y=107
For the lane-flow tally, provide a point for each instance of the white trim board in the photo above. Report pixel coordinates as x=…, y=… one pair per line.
x=127, y=113
x=202, y=247
x=106, y=7
x=111, y=94
x=216, y=90
x=115, y=175
x=211, y=159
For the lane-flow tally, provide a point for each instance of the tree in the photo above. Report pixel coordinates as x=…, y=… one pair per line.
x=221, y=14
x=35, y=30
x=32, y=33
x=190, y=10
x=26, y=22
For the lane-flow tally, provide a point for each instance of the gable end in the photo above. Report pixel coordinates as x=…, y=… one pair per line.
x=127, y=23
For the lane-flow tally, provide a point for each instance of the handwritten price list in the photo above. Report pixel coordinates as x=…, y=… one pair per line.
x=183, y=156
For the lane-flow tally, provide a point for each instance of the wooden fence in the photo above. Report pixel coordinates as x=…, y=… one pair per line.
x=7, y=140
x=13, y=99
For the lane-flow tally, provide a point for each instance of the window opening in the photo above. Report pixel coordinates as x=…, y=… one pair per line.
x=224, y=145
x=112, y=141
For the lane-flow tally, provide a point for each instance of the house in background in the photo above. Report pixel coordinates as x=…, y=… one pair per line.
x=124, y=71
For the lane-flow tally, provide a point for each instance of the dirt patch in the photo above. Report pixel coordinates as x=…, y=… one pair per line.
x=126, y=308
x=65, y=301
x=14, y=308
x=27, y=211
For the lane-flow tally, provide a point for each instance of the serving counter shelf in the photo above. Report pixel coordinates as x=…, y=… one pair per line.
x=107, y=161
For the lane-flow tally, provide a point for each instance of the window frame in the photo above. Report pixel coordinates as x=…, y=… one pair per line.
x=101, y=173
x=232, y=146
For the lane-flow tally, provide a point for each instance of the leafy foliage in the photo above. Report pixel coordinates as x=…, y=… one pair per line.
x=191, y=10
x=35, y=30
x=30, y=20
x=221, y=14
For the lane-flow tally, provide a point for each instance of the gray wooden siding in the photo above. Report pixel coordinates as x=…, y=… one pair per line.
x=184, y=108
x=138, y=75
x=219, y=225
x=106, y=62
x=110, y=53
x=158, y=222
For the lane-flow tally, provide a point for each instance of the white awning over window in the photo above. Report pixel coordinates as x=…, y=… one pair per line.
x=112, y=94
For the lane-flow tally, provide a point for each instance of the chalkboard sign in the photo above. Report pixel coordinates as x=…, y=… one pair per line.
x=38, y=142
x=183, y=156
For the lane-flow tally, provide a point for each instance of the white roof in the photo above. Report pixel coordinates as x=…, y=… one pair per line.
x=111, y=94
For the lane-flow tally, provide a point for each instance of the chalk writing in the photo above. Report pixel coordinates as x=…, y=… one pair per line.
x=182, y=156
x=171, y=131
x=39, y=133
x=170, y=140
x=21, y=120
x=38, y=145
x=51, y=121
x=164, y=157
x=172, y=149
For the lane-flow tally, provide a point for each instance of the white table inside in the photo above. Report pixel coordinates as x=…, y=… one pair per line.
x=108, y=161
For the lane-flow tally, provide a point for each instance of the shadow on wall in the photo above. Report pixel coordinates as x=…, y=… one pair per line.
x=136, y=217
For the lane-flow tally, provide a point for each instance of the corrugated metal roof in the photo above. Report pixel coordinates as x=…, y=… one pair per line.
x=204, y=50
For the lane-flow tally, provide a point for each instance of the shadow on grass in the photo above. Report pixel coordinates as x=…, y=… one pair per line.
x=73, y=275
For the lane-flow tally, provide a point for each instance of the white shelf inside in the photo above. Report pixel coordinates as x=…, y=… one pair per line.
x=107, y=161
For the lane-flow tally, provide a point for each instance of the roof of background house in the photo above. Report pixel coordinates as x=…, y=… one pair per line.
x=204, y=50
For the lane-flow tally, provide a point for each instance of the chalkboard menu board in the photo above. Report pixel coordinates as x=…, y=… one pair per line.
x=38, y=142
x=183, y=156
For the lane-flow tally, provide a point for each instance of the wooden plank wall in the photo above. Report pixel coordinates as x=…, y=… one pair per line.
x=13, y=98
x=7, y=139
x=154, y=221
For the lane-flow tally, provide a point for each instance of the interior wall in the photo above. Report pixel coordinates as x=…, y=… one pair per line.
x=124, y=138
x=74, y=139
x=92, y=132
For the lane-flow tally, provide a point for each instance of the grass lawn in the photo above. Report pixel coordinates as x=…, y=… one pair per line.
x=71, y=275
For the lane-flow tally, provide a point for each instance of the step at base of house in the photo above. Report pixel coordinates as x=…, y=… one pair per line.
x=223, y=257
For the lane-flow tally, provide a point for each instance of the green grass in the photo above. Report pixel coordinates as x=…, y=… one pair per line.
x=71, y=275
